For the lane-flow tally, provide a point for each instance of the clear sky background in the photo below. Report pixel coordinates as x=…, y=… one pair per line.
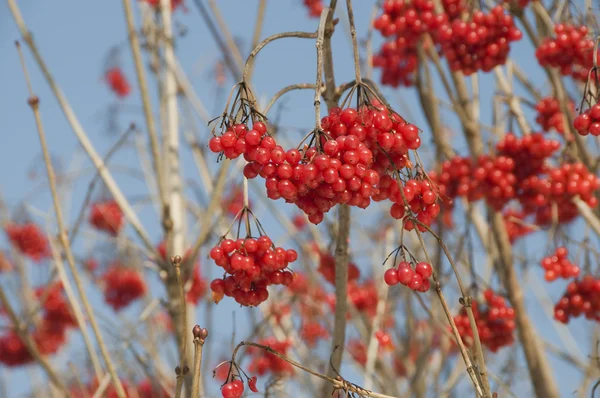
x=75, y=38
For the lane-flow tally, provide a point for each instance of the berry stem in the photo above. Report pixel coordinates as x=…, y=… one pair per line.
x=247, y=208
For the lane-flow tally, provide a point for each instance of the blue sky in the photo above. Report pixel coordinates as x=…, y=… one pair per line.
x=75, y=38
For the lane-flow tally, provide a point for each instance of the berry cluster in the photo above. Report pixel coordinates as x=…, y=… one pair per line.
x=528, y=153
x=107, y=216
x=264, y=362
x=29, y=239
x=559, y=266
x=420, y=195
x=117, y=82
x=252, y=264
x=406, y=21
x=49, y=335
x=491, y=178
x=559, y=189
x=122, y=285
x=520, y=170
x=417, y=279
x=495, y=322
x=571, y=51
x=343, y=166
x=581, y=298
x=315, y=7
x=481, y=44
x=588, y=122
x=549, y=115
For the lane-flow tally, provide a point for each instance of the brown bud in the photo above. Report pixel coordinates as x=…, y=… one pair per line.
x=33, y=101
x=177, y=370
x=176, y=260
x=203, y=334
x=186, y=370
x=196, y=331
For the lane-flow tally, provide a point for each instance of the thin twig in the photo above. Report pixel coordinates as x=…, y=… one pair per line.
x=64, y=240
x=110, y=183
x=262, y=44
x=134, y=43
x=287, y=89
x=337, y=383
x=200, y=335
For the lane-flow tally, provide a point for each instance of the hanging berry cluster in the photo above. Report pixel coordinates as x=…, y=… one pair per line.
x=252, y=264
x=494, y=319
x=481, y=44
x=118, y=83
x=416, y=279
x=520, y=170
x=107, y=216
x=122, y=285
x=469, y=46
x=582, y=297
x=341, y=164
x=420, y=195
x=558, y=266
x=405, y=22
x=49, y=335
x=571, y=51
x=29, y=239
